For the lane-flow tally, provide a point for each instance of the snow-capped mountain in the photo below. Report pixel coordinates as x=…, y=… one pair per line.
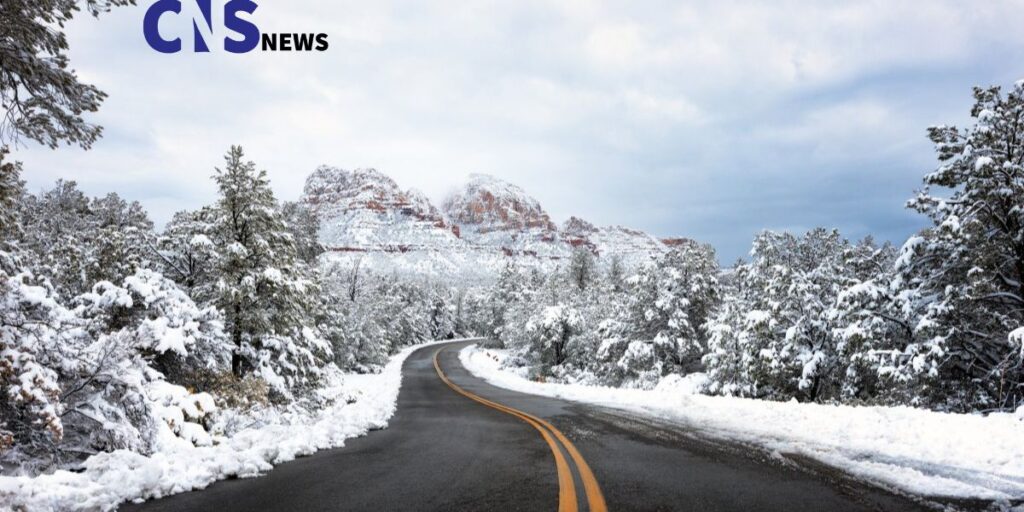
x=496, y=215
x=365, y=211
x=364, y=214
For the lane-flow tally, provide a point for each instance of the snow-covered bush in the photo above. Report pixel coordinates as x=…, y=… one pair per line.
x=75, y=381
x=78, y=241
x=781, y=331
x=550, y=332
x=180, y=413
x=161, y=320
x=108, y=352
x=30, y=324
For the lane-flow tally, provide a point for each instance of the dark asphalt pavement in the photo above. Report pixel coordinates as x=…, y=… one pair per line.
x=445, y=452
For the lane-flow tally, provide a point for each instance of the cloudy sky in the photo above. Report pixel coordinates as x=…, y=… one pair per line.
x=709, y=119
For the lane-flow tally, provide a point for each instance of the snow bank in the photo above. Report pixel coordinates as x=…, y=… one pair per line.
x=109, y=479
x=921, y=452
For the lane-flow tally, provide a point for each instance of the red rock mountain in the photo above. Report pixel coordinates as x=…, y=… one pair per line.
x=365, y=214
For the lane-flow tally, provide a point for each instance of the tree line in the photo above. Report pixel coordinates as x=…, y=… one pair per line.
x=937, y=322
x=97, y=308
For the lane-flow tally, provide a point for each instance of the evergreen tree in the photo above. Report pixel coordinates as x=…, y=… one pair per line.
x=670, y=301
x=776, y=337
x=964, y=276
x=12, y=188
x=43, y=99
x=616, y=274
x=187, y=252
x=551, y=331
x=121, y=237
x=304, y=227
x=581, y=268
x=265, y=291
x=78, y=241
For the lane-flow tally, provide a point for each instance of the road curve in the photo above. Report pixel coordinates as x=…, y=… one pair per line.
x=446, y=450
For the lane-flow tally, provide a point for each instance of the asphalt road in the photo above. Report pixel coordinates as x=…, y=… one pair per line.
x=446, y=451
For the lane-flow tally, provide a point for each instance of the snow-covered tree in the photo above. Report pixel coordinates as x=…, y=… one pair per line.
x=42, y=98
x=122, y=238
x=304, y=226
x=962, y=279
x=79, y=241
x=30, y=323
x=509, y=292
x=781, y=332
x=11, y=191
x=729, y=358
x=582, y=268
x=187, y=254
x=550, y=332
x=616, y=275
x=669, y=304
x=264, y=289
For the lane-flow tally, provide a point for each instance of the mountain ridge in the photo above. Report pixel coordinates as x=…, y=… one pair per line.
x=479, y=228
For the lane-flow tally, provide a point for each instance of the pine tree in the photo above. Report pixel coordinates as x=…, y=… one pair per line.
x=551, y=331
x=79, y=241
x=670, y=301
x=121, y=238
x=262, y=287
x=964, y=276
x=304, y=227
x=776, y=337
x=187, y=253
x=581, y=268
x=616, y=274
x=508, y=292
x=29, y=392
x=43, y=99
x=12, y=188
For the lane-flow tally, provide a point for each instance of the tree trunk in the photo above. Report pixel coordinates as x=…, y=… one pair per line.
x=236, y=337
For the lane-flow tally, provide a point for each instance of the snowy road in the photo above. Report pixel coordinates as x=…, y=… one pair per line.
x=445, y=451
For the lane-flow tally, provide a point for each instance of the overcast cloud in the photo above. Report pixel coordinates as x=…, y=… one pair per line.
x=710, y=119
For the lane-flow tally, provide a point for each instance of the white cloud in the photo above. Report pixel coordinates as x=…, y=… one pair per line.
x=663, y=115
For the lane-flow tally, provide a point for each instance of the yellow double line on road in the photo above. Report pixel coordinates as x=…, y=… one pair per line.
x=566, y=486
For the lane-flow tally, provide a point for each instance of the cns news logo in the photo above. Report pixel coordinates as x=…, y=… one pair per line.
x=234, y=30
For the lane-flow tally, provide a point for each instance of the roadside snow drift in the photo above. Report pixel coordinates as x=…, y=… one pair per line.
x=918, y=451
x=364, y=403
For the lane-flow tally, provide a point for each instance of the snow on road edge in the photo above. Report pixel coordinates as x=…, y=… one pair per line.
x=110, y=479
x=918, y=451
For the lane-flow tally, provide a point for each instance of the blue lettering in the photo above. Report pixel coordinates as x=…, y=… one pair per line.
x=151, y=26
x=250, y=32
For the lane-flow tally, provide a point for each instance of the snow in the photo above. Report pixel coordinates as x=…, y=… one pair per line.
x=188, y=458
x=273, y=275
x=982, y=162
x=918, y=451
x=907, y=251
x=1017, y=338
x=201, y=241
x=366, y=216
